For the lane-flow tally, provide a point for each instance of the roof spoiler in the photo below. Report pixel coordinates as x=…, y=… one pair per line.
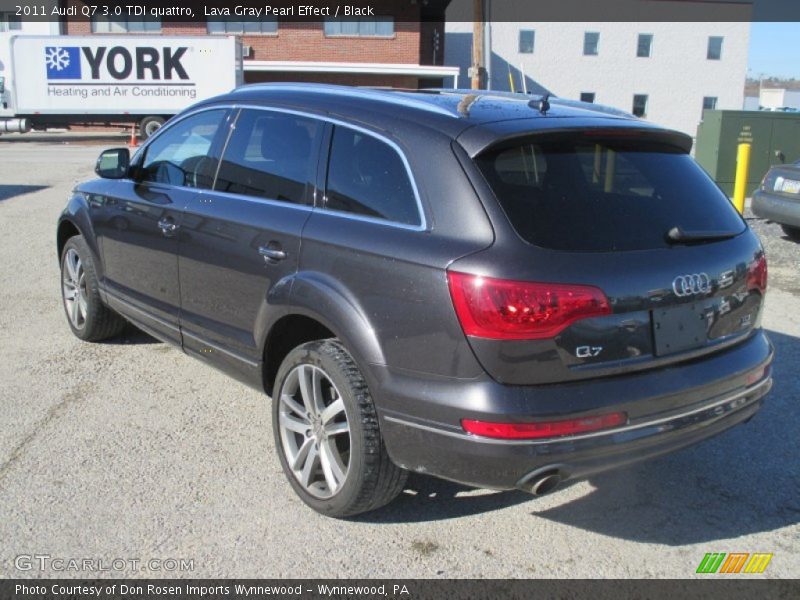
x=477, y=140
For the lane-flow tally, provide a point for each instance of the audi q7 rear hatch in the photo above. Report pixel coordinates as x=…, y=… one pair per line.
x=622, y=255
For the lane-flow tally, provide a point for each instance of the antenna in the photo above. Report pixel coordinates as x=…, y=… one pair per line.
x=541, y=104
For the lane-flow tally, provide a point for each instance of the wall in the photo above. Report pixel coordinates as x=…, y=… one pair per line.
x=399, y=81
x=779, y=98
x=676, y=77
x=306, y=41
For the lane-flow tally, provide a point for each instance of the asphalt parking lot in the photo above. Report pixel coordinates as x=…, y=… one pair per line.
x=132, y=450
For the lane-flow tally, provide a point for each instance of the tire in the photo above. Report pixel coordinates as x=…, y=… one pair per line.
x=149, y=125
x=89, y=319
x=792, y=233
x=359, y=475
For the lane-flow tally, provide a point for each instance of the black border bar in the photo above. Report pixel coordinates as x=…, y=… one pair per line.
x=425, y=10
x=716, y=586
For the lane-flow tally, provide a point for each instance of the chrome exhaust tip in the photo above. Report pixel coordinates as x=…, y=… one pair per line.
x=542, y=481
x=544, y=484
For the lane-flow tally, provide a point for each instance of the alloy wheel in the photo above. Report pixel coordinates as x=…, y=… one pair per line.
x=73, y=285
x=314, y=430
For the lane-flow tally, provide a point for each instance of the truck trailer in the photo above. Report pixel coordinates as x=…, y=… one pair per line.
x=58, y=81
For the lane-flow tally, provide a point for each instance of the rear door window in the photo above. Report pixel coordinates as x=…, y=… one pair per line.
x=270, y=155
x=367, y=177
x=580, y=193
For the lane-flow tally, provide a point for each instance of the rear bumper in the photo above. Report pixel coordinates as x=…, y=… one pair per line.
x=776, y=208
x=668, y=409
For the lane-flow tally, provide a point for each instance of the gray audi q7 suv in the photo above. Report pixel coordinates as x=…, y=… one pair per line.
x=501, y=290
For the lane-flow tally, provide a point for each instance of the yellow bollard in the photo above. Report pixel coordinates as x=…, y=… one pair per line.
x=611, y=167
x=742, y=171
x=598, y=162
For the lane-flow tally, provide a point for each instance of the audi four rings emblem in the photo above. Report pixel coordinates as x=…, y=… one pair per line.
x=689, y=285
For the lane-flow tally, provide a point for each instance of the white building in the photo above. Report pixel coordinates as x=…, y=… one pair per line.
x=779, y=98
x=667, y=72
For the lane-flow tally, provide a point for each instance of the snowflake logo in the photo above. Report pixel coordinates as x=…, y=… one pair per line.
x=57, y=58
x=63, y=62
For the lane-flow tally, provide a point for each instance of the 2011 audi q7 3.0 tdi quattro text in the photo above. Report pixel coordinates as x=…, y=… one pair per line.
x=494, y=289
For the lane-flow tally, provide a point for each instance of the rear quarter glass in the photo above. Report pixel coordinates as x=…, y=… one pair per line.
x=579, y=193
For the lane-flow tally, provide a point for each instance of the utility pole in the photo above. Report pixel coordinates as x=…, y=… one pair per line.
x=477, y=69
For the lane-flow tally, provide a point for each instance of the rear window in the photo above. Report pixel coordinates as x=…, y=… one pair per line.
x=578, y=193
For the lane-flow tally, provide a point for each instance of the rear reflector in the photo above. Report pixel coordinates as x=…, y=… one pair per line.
x=544, y=429
x=502, y=309
x=757, y=375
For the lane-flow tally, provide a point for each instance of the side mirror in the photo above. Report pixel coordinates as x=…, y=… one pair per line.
x=113, y=164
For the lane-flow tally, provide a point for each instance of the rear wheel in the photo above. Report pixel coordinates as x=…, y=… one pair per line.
x=327, y=435
x=149, y=126
x=88, y=317
x=792, y=232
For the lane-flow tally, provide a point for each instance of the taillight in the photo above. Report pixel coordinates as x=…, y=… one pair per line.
x=757, y=275
x=544, y=429
x=502, y=309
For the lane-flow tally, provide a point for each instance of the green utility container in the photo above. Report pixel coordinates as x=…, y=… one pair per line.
x=775, y=139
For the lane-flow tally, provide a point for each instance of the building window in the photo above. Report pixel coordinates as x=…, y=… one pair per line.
x=714, y=48
x=591, y=41
x=640, y=105
x=709, y=103
x=268, y=25
x=644, y=47
x=10, y=22
x=106, y=25
x=526, y=40
x=587, y=97
x=364, y=27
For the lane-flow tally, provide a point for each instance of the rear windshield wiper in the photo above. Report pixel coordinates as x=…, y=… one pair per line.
x=676, y=235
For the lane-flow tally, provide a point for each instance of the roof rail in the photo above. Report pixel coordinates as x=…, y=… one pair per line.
x=350, y=92
x=552, y=99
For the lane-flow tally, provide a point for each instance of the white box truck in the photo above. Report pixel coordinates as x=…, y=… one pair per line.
x=56, y=81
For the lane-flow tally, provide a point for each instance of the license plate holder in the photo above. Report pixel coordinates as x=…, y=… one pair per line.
x=679, y=328
x=790, y=186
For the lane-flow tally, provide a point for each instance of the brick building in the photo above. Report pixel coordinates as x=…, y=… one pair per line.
x=401, y=47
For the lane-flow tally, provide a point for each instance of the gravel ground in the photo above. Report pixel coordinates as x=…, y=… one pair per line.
x=131, y=449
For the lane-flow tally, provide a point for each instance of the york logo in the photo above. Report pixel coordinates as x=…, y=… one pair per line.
x=63, y=63
x=735, y=562
x=116, y=62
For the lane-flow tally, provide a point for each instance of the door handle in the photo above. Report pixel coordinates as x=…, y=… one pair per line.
x=167, y=226
x=271, y=255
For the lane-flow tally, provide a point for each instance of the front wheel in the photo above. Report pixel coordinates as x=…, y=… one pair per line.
x=88, y=317
x=327, y=434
